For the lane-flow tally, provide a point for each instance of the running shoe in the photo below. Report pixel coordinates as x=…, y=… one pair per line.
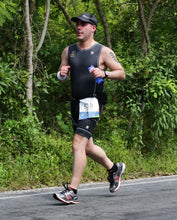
x=67, y=196
x=115, y=177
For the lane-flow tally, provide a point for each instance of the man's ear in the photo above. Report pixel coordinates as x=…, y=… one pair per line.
x=94, y=29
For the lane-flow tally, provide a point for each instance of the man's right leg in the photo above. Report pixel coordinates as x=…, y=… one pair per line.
x=79, y=159
x=69, y=195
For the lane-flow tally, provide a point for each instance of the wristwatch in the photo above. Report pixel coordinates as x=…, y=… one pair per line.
x=106, y=74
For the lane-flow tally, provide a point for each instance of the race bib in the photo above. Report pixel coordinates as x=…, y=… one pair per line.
x=88, y=108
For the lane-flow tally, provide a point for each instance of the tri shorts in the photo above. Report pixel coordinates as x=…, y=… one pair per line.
x=84, y=127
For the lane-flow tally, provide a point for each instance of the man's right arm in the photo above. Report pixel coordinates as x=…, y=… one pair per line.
x=64, y=66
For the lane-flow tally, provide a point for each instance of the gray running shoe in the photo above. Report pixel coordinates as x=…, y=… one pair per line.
x=115, y=177
x=67, y=196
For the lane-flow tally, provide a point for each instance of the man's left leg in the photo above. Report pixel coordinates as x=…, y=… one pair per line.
x=98, y=155
x=115, y=170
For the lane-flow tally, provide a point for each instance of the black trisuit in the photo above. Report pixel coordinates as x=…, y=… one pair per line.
x=84, y=85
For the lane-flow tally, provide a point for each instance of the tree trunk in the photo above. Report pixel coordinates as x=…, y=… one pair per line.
x=29, y=84
x=154, y=7
x=30, y=51
x=145, y=24
x=44, y=27
x=65, y=14
x=104, y=22
x=74, y=6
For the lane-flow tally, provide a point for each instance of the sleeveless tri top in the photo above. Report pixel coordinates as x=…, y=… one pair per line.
x=83, y=84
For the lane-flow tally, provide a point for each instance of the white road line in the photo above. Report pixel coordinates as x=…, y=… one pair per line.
x=124, y=184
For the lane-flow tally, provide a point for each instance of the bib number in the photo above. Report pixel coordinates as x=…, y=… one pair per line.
x=88, y=108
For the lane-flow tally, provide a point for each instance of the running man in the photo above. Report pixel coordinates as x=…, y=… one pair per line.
x=87, y=101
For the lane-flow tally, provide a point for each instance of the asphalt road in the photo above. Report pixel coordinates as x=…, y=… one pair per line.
x=142, y=199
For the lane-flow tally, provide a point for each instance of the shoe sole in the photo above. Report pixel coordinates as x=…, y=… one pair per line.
x=123, y=169
x=64, y=201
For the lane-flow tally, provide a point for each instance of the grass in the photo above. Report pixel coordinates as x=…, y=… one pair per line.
x=51, y=164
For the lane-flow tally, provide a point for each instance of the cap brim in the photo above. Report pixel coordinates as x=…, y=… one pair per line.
x=75, y=19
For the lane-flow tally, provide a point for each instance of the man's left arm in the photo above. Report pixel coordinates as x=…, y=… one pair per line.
x=116, y=71
x=108, y=60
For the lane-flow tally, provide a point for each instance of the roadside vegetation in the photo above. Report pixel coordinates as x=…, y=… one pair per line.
x=30, y=158
x=139, y=124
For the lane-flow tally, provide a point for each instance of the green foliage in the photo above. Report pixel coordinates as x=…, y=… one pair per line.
x=7, y=76
x=19, y=137
x=165, y=34
x=55, y=115
x=150, y=95
x=30, y=158
x=7, y=9
x=12, y=91
x=47, y=160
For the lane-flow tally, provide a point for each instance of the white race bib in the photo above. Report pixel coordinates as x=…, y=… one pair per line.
x=88, y=108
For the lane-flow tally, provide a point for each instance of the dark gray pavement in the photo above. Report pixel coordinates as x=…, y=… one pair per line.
x=142, y=199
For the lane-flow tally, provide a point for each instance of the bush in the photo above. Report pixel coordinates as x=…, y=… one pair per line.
x=29, y=157
x=149, y=97
x=12, y=91
x=19, y=137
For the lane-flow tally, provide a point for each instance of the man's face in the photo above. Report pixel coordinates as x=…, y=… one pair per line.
x=84, y=30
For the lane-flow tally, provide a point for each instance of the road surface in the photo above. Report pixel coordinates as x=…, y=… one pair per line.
x=141, y=199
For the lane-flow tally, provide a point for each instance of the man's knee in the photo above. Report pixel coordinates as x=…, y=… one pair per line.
x=90, y=147
x=79, y=142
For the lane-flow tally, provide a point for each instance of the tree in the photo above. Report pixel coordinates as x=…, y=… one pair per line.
x=29, y=84
x=30, y=48
x=145, y=22
x=66, y=14
x=104, y=22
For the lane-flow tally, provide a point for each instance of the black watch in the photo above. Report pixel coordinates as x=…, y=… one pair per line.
x=106, y=74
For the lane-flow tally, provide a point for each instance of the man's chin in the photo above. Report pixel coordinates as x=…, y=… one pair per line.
x=80, y=38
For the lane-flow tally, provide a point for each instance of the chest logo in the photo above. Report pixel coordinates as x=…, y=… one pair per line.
x=72, y=54
x=92, y=52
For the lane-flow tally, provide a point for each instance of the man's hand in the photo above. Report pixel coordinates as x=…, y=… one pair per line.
x=98, y=73
x=64, y=71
